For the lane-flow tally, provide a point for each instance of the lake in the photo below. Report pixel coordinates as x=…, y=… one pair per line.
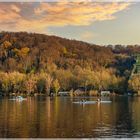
x=44, y=117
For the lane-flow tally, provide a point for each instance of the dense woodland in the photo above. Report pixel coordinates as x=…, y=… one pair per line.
x=37, y=63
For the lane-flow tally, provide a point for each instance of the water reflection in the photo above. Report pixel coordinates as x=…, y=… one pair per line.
x=59, y=117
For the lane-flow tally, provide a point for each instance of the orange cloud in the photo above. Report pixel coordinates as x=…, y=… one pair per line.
x=8, y=14
x=38, y=16
x=79, y=13
x=15, y=8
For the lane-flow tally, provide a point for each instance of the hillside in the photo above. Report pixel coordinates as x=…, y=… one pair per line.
x=34, y=51
x=73, y=63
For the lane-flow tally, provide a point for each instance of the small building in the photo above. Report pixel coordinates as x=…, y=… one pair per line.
x=79, y=91
x=105, y=93
x=63, y=93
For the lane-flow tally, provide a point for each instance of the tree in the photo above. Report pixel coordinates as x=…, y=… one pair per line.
x=65, y=78
x=41, y=85
x=55, y=86
x=24, y=51
x=134, y=83
x=6, y=44
x=30, y=84
x=6, y=86
x=49, y=80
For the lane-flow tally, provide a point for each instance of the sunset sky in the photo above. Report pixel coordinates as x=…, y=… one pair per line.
x=98, y=23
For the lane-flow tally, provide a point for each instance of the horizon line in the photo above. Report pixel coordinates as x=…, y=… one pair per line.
x=124, y=45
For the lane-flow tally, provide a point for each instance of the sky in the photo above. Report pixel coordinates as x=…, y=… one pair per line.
x=93, y=22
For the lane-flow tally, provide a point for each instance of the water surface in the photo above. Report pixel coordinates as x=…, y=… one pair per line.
x=41, y=117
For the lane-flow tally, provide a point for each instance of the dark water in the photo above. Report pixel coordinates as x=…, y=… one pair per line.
x=46, y=118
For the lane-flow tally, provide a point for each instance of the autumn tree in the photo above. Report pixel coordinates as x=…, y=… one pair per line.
x=30, y=84
x=55, y=86
x=134, y=83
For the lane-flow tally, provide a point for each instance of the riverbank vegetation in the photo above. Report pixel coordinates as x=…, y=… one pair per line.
x=134, y=84
x=15, y=82
x=36, y=63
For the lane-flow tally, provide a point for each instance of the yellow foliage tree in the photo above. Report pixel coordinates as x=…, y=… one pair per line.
x=24, y=51
x=6, y=44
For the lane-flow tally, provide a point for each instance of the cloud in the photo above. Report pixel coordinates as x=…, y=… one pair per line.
x=15, y=8
x=36, y=17
x=8, y=13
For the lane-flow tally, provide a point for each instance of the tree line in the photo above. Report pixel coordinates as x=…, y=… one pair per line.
x=60, y=80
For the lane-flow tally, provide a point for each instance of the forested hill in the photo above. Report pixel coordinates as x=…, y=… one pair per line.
x=72, y=63
x=25, y=52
